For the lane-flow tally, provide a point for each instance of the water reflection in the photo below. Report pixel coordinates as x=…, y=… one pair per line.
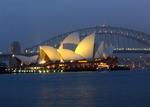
x=75, y=90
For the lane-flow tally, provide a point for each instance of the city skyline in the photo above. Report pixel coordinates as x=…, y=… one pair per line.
x=31, y=22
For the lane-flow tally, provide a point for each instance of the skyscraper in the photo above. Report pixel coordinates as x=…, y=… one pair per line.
x=15, y=47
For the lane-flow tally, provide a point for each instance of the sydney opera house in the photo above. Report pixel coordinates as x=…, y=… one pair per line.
x=72, y=53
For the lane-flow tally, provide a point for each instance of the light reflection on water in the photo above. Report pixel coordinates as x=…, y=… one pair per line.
x=75, y=89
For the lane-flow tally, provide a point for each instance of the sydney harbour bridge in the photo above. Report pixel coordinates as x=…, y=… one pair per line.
x=121, y=38
x=130, y=46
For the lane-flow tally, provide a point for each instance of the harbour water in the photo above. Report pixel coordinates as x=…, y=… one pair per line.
x=81, y=89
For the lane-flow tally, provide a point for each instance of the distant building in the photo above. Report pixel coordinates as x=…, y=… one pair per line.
x=15, y=47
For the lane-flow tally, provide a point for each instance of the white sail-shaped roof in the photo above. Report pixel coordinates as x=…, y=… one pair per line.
x=99, y=52
x=27, y=60
x=108, y=50
x=73, y=38
x=34, y=59
x=104, y=50
x=86, y=47
x=69, y=55
x=51, y=52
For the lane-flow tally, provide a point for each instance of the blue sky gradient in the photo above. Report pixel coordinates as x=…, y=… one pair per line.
x=33, y=21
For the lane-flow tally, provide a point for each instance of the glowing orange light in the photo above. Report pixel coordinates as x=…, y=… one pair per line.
x=43, y=62
x=84, y=61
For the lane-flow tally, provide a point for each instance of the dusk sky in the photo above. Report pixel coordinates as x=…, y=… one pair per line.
x=33, y=21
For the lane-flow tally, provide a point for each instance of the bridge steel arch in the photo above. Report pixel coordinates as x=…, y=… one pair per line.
x=120, y=38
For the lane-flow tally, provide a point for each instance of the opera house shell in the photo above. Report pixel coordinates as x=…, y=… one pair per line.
x=70, y=49
x=74, y=49
x=27, y=60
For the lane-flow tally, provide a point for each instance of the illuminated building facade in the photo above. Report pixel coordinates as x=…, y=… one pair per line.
x=85, y=50
x=72, y=54
x=130, y=46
